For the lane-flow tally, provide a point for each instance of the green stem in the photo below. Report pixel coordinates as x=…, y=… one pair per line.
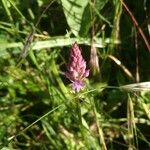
x=99, y=128
x=79, y=111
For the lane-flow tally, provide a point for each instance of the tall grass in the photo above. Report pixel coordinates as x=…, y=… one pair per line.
x=38, y=108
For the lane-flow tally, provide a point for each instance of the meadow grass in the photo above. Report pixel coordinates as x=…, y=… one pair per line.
x=39, y=110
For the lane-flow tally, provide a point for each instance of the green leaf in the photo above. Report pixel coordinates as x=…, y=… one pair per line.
x=100, y=4
x=86, y=21
x=6, y=148
x=74, y=10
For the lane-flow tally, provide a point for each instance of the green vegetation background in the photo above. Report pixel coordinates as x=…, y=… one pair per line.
x=38, y=110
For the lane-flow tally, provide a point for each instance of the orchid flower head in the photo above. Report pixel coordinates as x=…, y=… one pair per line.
x=76, y=68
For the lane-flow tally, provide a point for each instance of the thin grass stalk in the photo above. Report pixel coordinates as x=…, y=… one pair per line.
x=99, y=127
x=146, y=41
x=94, y=60
x=25, y=129
x=131, y=124
x=78, y=108
x=4, y=3
x=115, y=34
x=59, y=80
x=116, y=22
x=146, y=109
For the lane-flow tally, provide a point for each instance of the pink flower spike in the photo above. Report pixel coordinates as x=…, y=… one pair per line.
x=77, y=71
x=87, y=72
x=77, y=86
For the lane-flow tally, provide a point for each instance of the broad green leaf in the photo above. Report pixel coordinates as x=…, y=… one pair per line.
x=100, y=4
x=74, y=10
x=86, y=21
x=88, y=16
x=14, y=48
